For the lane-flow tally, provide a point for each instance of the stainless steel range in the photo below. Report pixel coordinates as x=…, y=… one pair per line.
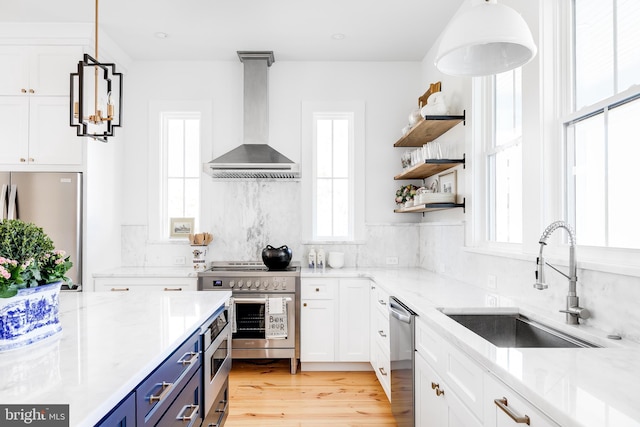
x=264, y=308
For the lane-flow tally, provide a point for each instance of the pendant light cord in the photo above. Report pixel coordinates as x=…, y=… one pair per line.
x=95, y=86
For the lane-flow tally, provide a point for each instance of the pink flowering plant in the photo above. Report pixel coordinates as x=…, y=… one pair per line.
x=28, y=258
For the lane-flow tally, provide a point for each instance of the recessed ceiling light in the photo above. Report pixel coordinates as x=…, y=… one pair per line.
x=161, y=35
x=338, y=36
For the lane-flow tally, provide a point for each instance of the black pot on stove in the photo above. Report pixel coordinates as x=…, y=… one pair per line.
x=276, y=258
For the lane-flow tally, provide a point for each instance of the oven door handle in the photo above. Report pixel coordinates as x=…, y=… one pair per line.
x=242, y=300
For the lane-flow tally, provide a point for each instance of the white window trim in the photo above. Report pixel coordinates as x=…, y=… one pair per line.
x=156, y=107
x=308, y=109
x=546, y=161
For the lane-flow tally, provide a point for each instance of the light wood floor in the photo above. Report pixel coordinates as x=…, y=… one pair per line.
x=264, y=393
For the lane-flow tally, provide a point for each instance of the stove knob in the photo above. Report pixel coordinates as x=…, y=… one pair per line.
x=276, y=285
x=240, y=284
x=265, y=285
x=249, y=284
x=232, y=284
x=284, y=285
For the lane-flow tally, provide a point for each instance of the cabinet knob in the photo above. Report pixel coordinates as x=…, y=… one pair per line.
x=304, y=305
x=436, y=387
x=317, y=289
x=31, y=160
x=23, y=90
x=23, y=160
x=32, y=91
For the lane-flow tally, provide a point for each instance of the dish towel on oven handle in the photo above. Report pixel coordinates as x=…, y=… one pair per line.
x=276, y=319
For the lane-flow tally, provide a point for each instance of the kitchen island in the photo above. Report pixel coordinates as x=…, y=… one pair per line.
x=110, y=342
x=572, y=386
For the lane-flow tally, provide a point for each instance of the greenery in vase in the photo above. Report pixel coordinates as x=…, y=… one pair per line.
x=28, y=258
x=406, y=193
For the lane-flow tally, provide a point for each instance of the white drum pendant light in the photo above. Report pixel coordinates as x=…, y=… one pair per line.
x=488, y=38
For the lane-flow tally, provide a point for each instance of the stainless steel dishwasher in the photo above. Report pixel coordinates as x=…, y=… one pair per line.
x=402, y=339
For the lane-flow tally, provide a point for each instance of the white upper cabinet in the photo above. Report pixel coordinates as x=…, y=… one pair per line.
x=34, y=106
x=37, y=70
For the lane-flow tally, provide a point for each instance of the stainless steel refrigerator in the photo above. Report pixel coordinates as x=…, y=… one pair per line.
x=53, y=202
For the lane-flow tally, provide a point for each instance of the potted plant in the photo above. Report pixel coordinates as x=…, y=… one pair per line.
x=31, y=274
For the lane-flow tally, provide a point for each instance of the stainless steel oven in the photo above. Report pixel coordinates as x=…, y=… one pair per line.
x=216, y=347
x=264, y=310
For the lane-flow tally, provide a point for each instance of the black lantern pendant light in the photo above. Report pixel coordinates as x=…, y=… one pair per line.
x=95, y=105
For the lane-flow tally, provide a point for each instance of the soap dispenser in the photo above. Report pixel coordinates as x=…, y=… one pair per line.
x=312, y=258
x=321, y=261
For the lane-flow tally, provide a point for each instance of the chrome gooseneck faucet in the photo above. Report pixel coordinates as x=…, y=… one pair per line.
x=573, y=310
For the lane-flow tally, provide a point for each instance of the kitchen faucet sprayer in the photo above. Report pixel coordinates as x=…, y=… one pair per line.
x=573, y=310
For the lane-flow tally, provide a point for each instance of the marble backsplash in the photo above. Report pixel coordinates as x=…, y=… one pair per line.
x=610, y=298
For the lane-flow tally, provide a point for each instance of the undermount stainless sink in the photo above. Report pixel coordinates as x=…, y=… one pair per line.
x=516, y=330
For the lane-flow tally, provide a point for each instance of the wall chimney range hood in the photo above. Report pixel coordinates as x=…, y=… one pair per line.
x=254, y=158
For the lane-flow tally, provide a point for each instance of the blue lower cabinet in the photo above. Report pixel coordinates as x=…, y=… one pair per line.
x=186, y=410
x=160, y=389
x=123, y=415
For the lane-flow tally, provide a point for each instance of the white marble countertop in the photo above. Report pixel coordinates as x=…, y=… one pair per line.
x=110, y=342
x=575, y=387
x=132, y=272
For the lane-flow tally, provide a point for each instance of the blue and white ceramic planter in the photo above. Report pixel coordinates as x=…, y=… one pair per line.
x=30, y=316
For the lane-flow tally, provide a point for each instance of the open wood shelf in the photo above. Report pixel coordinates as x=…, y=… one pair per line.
x=428, y=129
x=429, y=168
x=430, y=207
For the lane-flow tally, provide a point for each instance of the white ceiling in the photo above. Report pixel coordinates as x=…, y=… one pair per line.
x=296, y=30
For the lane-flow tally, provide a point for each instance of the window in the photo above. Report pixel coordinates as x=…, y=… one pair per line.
x=600, y=132
x=504, y=160
x=333, y=168
x=180, y=167
x=333, y=183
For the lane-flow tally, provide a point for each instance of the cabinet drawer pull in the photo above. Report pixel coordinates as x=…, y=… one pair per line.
x=317, y=289
x=165, y=390
x=119, y=289
x=504, y=405
x=188, y=358
x=172, y=289
x=436, y=387
x=194, y=411
x=382, y=371
x=382, y=334
x=382, y=302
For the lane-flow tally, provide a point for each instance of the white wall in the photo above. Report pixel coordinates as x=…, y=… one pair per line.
x=240, y=227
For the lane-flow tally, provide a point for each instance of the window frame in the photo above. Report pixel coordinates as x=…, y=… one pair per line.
x=606, y=258
x=157, y=233
x=355, y=111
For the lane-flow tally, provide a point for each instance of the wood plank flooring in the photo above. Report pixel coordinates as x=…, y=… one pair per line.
x=264, y=393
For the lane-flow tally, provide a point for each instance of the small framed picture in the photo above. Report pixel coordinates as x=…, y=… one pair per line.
x=181, y=227
x=448, y=182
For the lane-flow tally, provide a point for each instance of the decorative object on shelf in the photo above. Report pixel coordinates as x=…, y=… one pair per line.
x=103, y=93
x=181, y=227
x=414, y=117
x=448, y=182
x=487, y=38
x=433, y=88
x=31, y=274
x=436, y=105
x=405, y=194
